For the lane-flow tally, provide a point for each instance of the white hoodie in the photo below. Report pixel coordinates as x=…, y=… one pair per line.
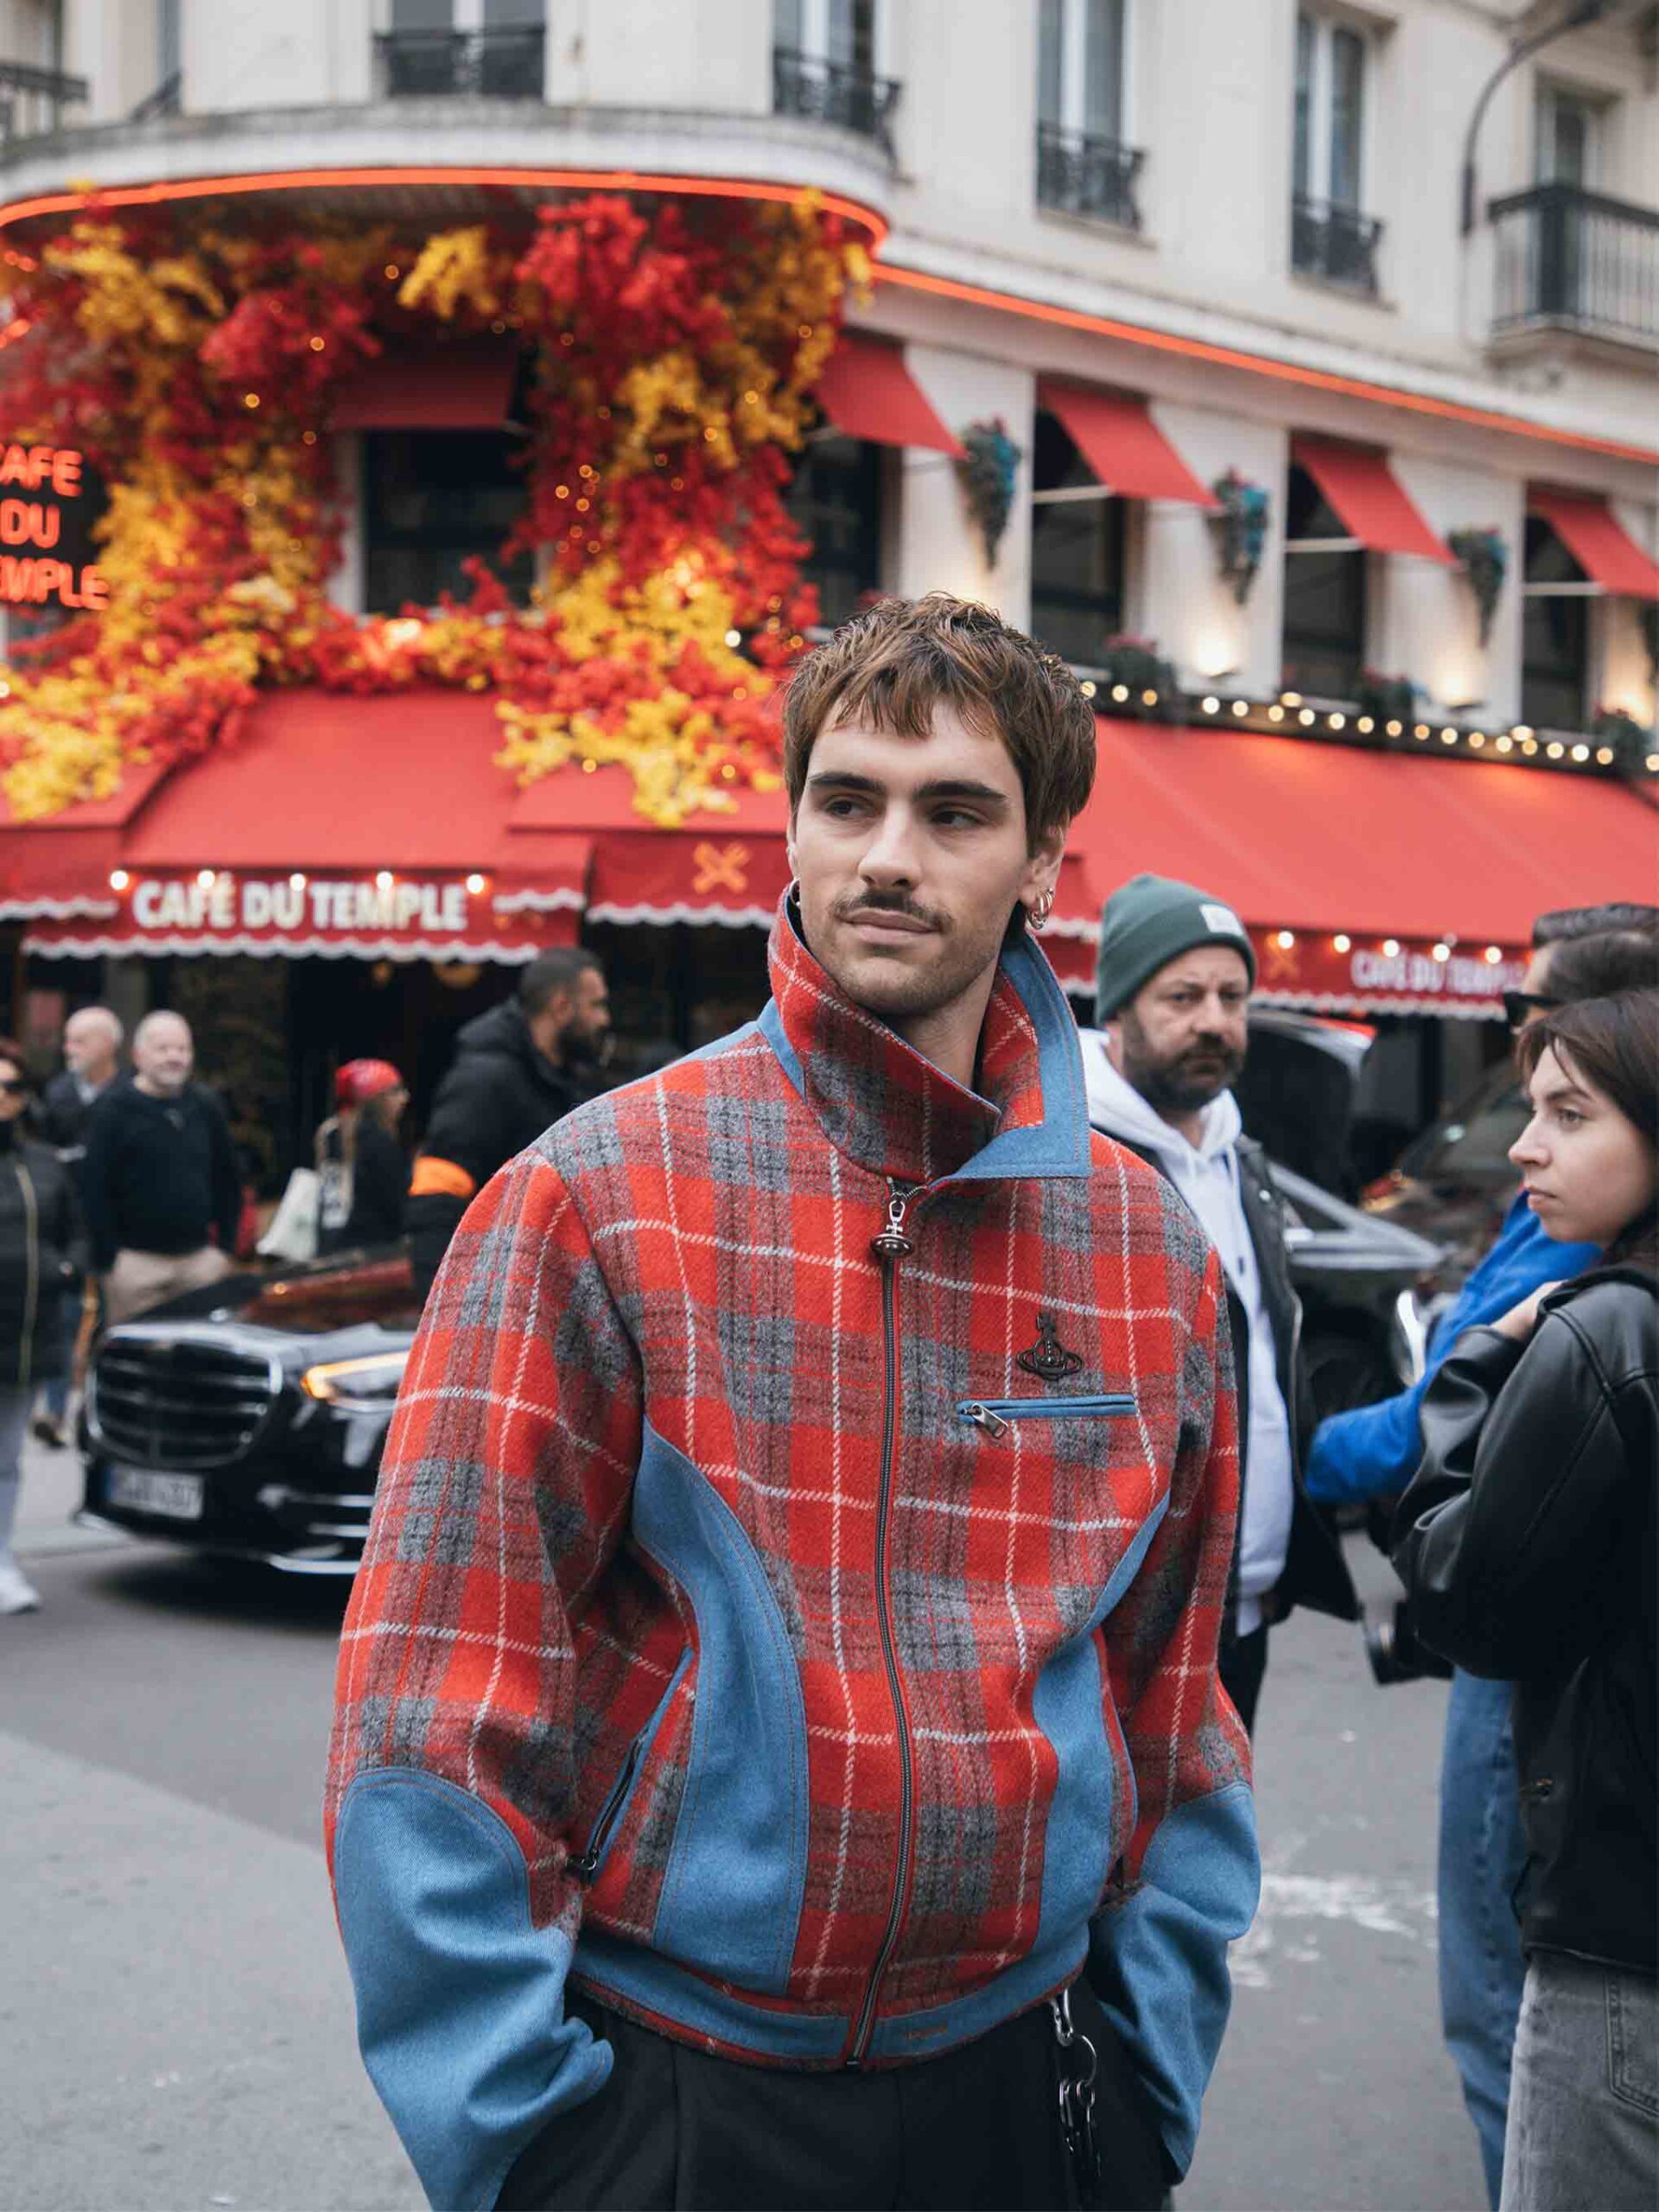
x=1207, y=1178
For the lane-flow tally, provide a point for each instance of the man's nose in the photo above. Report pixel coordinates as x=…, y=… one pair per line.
x=890, y=857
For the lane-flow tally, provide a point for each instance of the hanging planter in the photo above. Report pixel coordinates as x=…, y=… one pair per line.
x=1241, y=530
x=1386, y=698
x=1614, y=727
x=988, y=472
x=1485, y=559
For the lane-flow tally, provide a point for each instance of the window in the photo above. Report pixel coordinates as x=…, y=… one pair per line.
x=1325, y=596
x=1080, y=66
x=1555, y=632
x=168, y=48
x=1331, y=236
x=838, y=31
x=1078, y=551
x=1083, y=166
x=431, y=501
x=1566, y=127
x=836, y=499
x=823, y=58
x=490, y=47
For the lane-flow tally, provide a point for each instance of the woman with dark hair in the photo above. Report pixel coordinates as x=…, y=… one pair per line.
x=42, y=1255
x=1529, y=1545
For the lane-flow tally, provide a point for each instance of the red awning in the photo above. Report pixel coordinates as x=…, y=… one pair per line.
x=1366, y=493
x=1120, y=442
x=466, y=384
x=866, y=392
x=270, y=846
x=1302, y=835
x=1598, y=541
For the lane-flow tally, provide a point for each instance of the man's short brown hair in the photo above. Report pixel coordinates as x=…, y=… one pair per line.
x=895, y=663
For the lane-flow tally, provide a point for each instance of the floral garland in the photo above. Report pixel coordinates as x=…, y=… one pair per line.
x=674, y=354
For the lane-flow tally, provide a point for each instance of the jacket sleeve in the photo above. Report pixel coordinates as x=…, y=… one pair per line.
x=69, y=1231
x=97, y=1182
x=226, y=1177
x=1157, y=1950
x=1366, y=1452
x=503, y=1493
x=470, y=1135
x=1505, y=1536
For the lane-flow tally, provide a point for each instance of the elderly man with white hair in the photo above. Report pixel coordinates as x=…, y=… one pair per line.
x=160, y=1183
x=92, y=1037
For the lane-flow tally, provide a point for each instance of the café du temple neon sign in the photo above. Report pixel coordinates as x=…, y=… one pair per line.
x=36, y=485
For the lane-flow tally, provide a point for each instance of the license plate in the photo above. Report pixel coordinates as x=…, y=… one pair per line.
x=175, y=1498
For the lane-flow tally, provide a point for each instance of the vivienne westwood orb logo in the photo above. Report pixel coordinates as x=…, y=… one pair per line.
x=1048, y=1358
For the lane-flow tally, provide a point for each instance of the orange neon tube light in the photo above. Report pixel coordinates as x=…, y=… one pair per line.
x=167, y=190
x=1260, y=364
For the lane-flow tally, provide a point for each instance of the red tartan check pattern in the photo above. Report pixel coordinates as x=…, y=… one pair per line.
x=694, y=1252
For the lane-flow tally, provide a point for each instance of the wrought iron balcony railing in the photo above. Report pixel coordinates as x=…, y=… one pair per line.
x=32, y=101
x=829, y=91
x=503, y=65
x=165, y=99
x=1083, y=176
x=1570, y=258
x=1337, y=243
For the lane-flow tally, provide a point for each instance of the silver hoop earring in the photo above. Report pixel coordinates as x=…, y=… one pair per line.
x=1037, y=912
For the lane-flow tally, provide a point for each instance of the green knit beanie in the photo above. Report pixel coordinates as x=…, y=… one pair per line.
x=1151, y=920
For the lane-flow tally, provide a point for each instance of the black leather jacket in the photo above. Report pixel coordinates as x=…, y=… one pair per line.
x=43, y=1254
x=1529, y=1544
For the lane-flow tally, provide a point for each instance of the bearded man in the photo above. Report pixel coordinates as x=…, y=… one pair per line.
x=778, y=1741
x=1173, y=990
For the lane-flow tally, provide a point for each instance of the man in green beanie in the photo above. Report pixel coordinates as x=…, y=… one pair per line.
x=1173, y=979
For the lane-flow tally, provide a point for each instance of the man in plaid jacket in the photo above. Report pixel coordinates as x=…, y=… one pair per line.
x=779, y=1739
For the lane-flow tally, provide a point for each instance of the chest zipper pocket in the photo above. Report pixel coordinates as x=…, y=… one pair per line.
x=996, y=1416
x=586, y=1868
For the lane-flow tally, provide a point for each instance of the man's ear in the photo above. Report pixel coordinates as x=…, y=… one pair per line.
x=1043, y=870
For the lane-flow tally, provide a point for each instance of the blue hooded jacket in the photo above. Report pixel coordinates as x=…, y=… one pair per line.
x=1373, y=1451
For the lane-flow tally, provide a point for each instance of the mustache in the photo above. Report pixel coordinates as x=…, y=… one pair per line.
x=887, y=902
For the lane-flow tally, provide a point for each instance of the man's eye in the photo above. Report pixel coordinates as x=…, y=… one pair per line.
x=955, y=818
x=839, y=810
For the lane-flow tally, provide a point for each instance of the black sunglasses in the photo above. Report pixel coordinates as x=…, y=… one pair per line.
x=18, y=1085
x=1517, y=1005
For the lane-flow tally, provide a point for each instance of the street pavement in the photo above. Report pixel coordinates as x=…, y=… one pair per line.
x=174, y=2017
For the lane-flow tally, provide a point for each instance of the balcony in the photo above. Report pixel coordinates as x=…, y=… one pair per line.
x=1080, y=176
x=829, y=91
x=1571, y=260
x=1336, y=245
x=32, y=103
x=501, y=64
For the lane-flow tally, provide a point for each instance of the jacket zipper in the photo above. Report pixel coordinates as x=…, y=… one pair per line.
x=890, y=1247
x=997, y=1416
x=32, y=1274
x=616, y=1796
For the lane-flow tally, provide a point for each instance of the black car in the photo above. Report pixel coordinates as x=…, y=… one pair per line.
x=248, y=1419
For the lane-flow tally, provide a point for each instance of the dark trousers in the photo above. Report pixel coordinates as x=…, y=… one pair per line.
x=974, y=2127
x=1243, y=1662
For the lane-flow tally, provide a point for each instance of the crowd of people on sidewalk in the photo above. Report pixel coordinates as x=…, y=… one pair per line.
x=794, y=1717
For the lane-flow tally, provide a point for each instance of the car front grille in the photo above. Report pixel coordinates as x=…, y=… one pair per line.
x=166, y=1400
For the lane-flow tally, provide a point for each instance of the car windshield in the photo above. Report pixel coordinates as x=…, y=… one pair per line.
x=1475, y=1138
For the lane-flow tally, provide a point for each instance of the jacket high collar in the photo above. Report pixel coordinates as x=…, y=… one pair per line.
x=885, y=1106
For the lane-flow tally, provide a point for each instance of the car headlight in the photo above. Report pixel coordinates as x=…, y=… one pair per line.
x=370, y=1384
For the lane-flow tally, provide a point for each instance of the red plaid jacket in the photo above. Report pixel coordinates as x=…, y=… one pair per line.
x=792, y=1602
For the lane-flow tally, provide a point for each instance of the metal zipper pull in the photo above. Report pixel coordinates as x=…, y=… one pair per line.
x=982, y=1417
x=893, y=1243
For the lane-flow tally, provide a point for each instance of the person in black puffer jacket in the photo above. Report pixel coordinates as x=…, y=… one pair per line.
x=43, y=1254
x=1529, y=1544
x=517, y=1069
